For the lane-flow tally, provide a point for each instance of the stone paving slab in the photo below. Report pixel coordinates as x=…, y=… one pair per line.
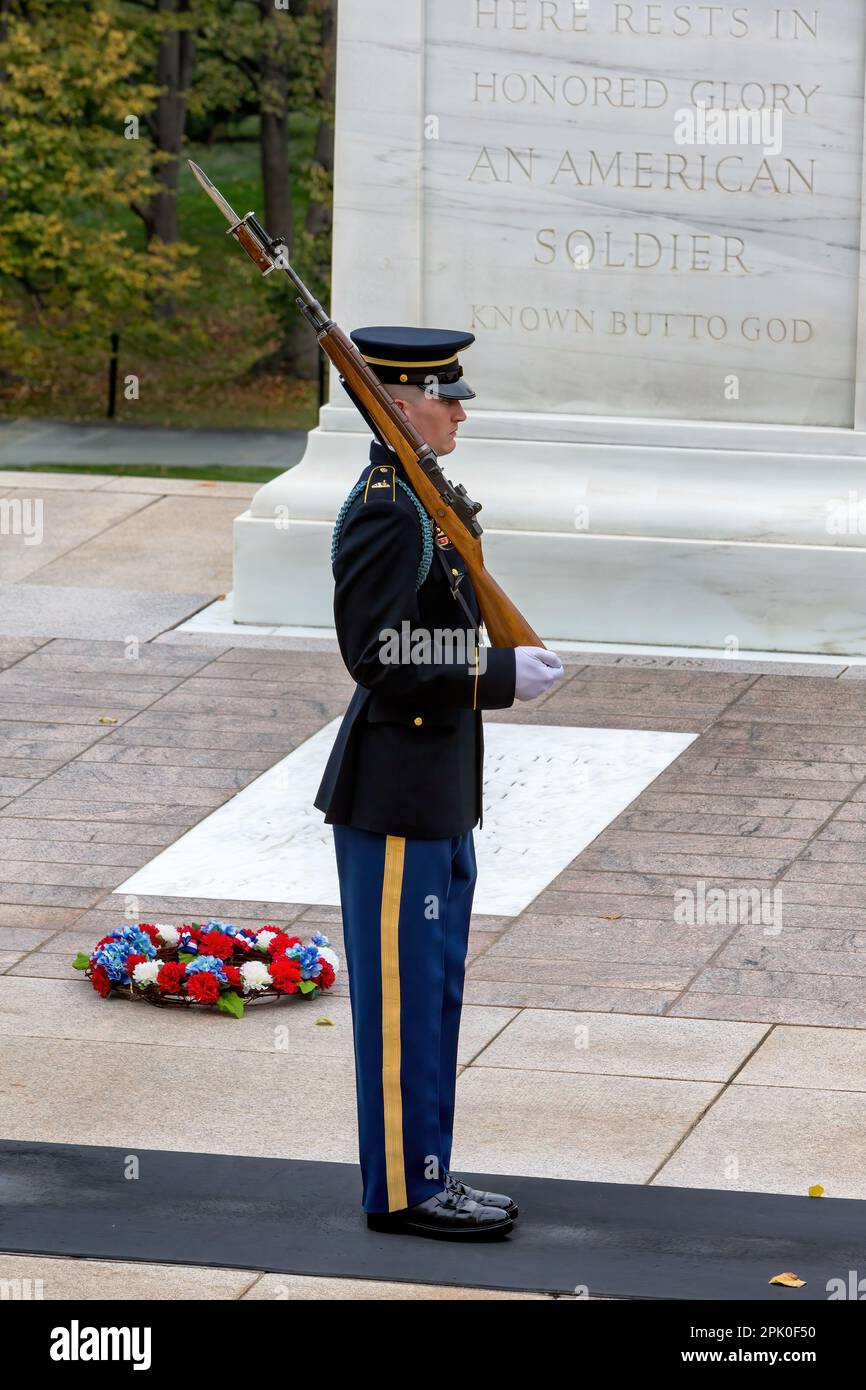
x=15, y=649
x=183, y=487
x=775, y=1139
x=766, y=1008
x=597, y=939
x=58, y=1279
x=64, y=1091
x=110, y=658
x=566, y=1125
x=45, y=525
x=18, y=480
x=185, y=540
x=814, y=870
x=64, y=1009
x=282, y=1286
x=107, y=1280
x=622, y=1045
x=54, y=610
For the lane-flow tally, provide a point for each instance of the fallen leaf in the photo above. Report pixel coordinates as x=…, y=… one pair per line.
x=106, y=719
x=324, y=1022
x=816, y=1190
x=609, y=917
x=791, y=1281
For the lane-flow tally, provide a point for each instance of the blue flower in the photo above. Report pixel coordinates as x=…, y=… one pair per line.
x=212, y=963
x=122, y=943
x=309, y=959
x=112, y=957
x=139, y=942
x=320, y=939
x=226, y=927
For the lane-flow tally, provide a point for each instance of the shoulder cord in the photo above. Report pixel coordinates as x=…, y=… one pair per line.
x=426, y=528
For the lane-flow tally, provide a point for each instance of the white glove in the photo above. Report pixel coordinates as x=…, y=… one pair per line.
x=536, y=670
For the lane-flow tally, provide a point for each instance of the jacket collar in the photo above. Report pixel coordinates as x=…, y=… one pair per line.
x=380, y=454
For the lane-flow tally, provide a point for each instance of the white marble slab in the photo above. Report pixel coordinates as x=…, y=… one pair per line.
x=549, y=791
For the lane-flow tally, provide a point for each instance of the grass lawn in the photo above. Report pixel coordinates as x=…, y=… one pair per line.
x=214, y=473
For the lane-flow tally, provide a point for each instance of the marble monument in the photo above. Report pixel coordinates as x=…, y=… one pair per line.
x=649, y=214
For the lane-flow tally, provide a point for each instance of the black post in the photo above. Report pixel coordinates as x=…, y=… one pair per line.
x=112, y=375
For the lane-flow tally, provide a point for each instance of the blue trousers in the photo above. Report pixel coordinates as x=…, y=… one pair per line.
x=406, y=905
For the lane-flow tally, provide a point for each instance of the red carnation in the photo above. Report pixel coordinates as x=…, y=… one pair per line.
x=234, y=976
x=280, y=944
x=151, y=931
x=100, y=981
x=326, y=979
x=203, y=986
x=294, y=940
x=170, y=977
x=286, y=974
x=216, y=943
x=133, y=960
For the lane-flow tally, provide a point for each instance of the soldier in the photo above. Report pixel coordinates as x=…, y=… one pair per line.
x=402, y=789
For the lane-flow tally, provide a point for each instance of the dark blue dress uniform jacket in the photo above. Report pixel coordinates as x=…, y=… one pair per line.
x=408, y=756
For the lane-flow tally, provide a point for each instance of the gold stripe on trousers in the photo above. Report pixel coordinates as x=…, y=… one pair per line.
x=392, y=1097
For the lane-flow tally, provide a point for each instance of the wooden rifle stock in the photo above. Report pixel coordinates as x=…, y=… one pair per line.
x=506, y=625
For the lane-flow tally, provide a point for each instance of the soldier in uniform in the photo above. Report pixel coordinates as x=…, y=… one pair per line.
x=402, y=790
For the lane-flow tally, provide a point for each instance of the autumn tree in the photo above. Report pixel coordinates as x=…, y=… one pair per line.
x=72, y=162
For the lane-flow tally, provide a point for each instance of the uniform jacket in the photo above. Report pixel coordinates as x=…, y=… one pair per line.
x=408, y=756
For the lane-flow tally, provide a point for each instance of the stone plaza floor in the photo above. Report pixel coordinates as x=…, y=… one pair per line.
x=602, y=1039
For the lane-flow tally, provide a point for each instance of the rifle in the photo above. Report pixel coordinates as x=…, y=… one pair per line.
x=449, y=506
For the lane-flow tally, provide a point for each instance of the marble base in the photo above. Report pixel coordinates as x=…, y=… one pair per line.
x=549, y=791
x=605, y=539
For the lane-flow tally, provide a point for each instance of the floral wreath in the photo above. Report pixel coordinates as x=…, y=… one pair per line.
x=212, y=964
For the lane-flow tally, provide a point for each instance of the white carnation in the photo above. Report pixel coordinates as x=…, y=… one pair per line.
x=264, y=939
x=145, y=972
x=169, y=934
x=331, y=957
x=255, y=975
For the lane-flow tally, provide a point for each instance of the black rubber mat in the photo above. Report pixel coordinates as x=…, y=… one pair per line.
x=295, y=1217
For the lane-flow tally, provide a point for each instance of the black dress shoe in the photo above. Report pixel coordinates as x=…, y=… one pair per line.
x=447, y=1215
x=486, y=1199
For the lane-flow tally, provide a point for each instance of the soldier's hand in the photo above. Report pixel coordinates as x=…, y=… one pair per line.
x=537, y=670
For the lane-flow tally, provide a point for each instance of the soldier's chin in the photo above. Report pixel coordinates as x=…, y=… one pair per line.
x=448, y=444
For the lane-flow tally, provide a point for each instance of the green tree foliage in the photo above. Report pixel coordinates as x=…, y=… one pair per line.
x=255, y=58
x=73, y=261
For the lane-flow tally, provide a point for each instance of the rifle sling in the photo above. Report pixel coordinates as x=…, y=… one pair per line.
x=455, y=589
